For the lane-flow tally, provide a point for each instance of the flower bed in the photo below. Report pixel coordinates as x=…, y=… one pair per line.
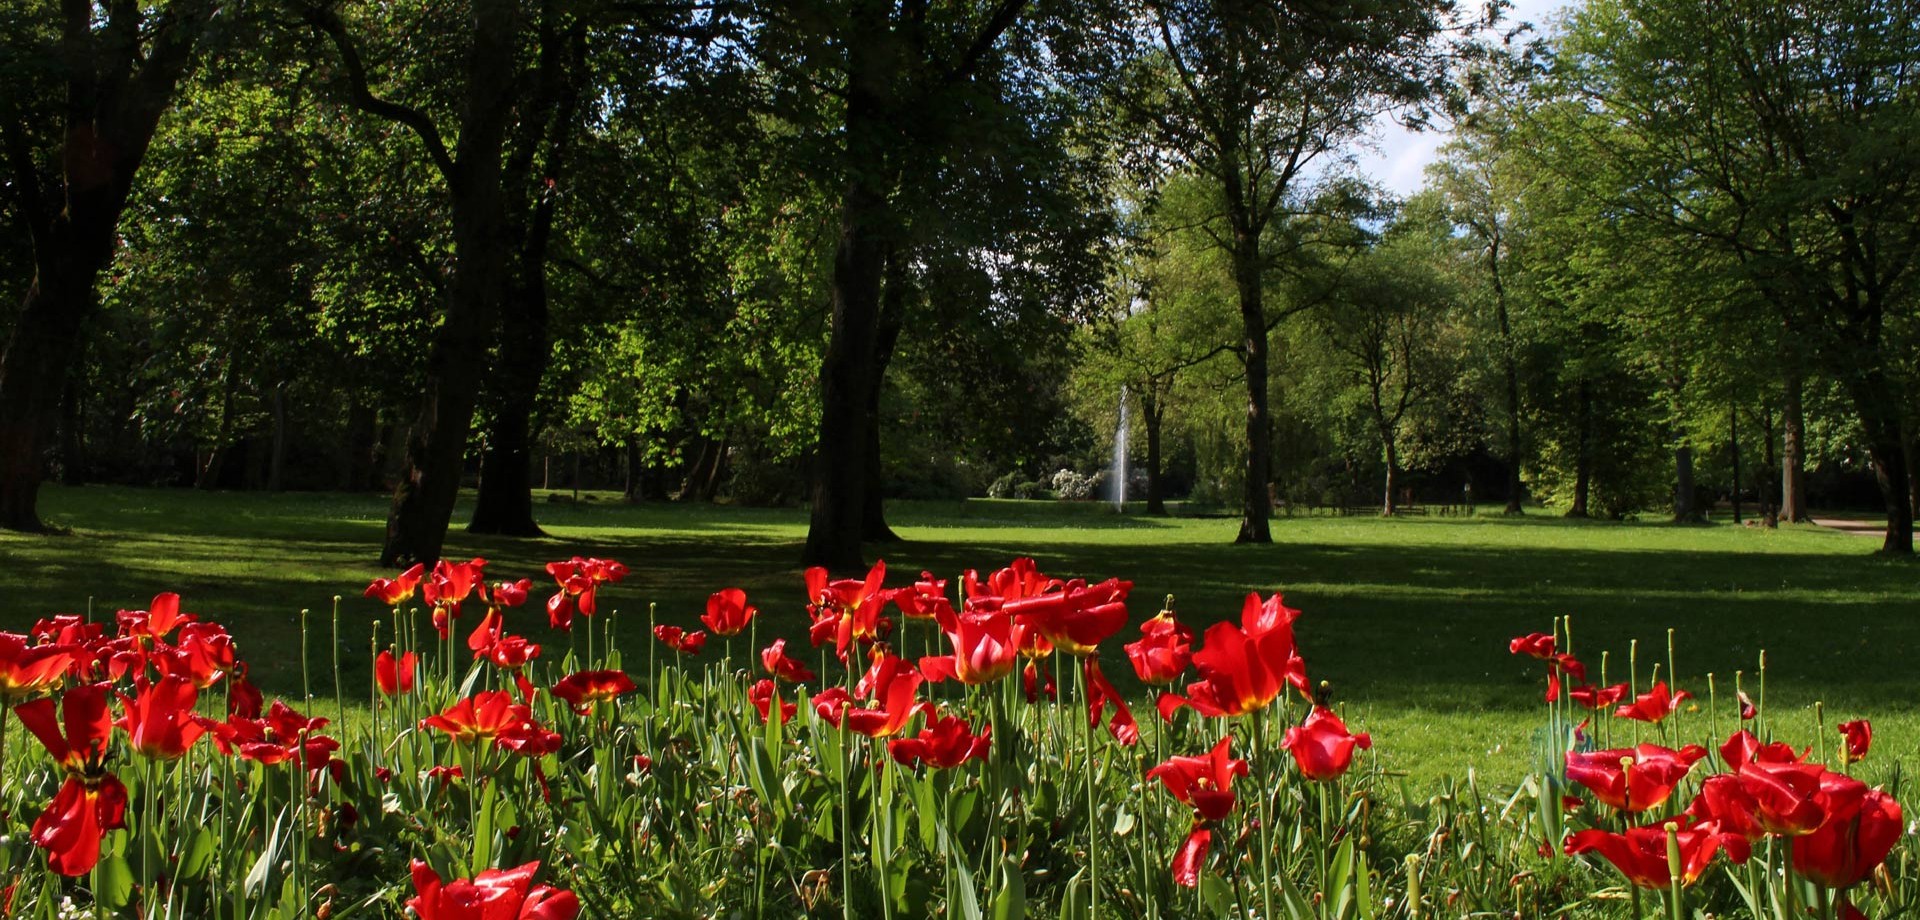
x=927, y=759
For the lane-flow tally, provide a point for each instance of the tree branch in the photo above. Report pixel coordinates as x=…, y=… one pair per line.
x=327, y=21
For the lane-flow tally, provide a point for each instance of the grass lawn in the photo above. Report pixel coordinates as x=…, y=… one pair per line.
x=1408, y=618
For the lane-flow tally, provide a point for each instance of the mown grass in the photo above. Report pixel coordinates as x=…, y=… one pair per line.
x=1408, y=618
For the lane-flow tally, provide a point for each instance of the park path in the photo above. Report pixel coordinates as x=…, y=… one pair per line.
x=1855, y=526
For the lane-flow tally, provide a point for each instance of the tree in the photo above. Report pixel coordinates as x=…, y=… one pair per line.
x=88, y=84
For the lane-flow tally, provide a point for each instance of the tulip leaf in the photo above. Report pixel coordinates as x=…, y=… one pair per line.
x=1074, y=903
x=116, y=882
x=1123, y=822
x=1010, y=900
x=256, y=881
x=198, y=854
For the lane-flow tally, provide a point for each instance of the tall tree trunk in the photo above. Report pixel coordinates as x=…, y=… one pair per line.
x=1793, y=464
x=1256, y=507
x=840, y=468
x=208, y=476
x=277, y=459
x=436, y=447
x=1910, y=449
x=73, y=429
x=1511, y=371
x=504, y=503
x=1683, y=504
x=893, y=311
x=1583, y=452
x=1150, y=414
x=1733, y=434
x=361, y=468
x=1769, y=511
x=1389, y=504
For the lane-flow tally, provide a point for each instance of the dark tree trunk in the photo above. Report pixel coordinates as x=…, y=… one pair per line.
x=1683, y=498
x=277, y=458
x=363, y=437
x=1769, y=511
x=1912, y=451
x=1793, y=464
x=1388, y=504
x=630, y=458
x=1511, y=371
x=840, y=467
x=73, y=429
x=504, y=503
x=208, y=476
x=1256, y=508
x=1151, y=413
x=436, y=447
x=893, y=310
x=1583, y=452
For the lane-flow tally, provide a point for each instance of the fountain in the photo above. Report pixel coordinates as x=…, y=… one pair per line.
x=1120, y=457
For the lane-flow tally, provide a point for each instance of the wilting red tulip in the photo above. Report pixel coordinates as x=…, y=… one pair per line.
x=1101, y=692
x=1598, y=698
x=785, y=666
x=1727, y=808
x=1852, y=842
x=155, y=622
x=159, y=719
x=1021, y=578
x=728, y=612
x=1206, y=785
x=243, y=698
x=496, y=894
x=481, y=717
x=446, y=775
x=579, y=581
x=1034, y=684
x=582, y=689
x=394, y=676
x=202, y=654
x=889, y=685
x=1163, y=651
x=92, y=800
x=1786, y=796
x=1240, y=671
x=28, y=671
x=452, y=582
x=507, y=593
x=944, y=742
x=394, y=591
x=1078, y=617
x=1537, y=645
x=762, y=695
x=847, y=610
x=283, y=735
x=1743, y=747
x=1633, y=779
x=1747, y=710
x=1641, y=853
x=1859, y=735
x=686, y=643
x=984, y=648
x=511, y=653
x=925, y=599
x=528, y=738
x=1323, y=747
x=1655, y=705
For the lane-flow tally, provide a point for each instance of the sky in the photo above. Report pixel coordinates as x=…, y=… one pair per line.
x=1400, y=162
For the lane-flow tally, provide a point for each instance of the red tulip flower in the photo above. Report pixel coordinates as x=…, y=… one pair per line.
x=29, y=671
x=1724, y=805
x=394, y=591
x=1078, y=617
x=1786, y=796
x=511, y=653
x=507, y=593
x=157, y=621
x=496, y=894
x=1322, y=746
x=847, y=610
x=202, y=654
x=1633, y=779
x=1021, y=578
x=889, y=686
x=925, y=599
x=452, y=583
x=1641, y=853
x=1747, y=710
x=944, y=742
x=583, y=689
x=481, y=717
x=1206, y=785
x=728, y=612
x=1655, y=705
x=243, y=698
x=1852, y=842
x=763, y=694
x=159, y=719
x=92, y=800
x=1598, y=698
x=1859, y=735
x=1743, y=747
x=1163, y=651
x=984, y=647
x=1241, y=671
x=1537, y=645
x=686, y=643
x=1101, y=692
x=393, y=676
x=579, y=581
x=1035, y=684
x=785, y=666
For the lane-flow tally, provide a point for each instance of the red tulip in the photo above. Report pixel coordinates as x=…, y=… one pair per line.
x=481, y=717
x=1859, y=735
x=1021, y=578
x=452, y=582
x=925, y=599
x=1728, y=808
x=495, y=894
x=728, y=612
x=511, y=653
x=1743, y=747
x=1641, y=853
x=1240, y=671
x=1786, y=796
x=579, y=581
x=984, y=647
x=92, y=800
x=943, y=742
x=1035, y=684
x=582, y=689
x=1598, y=698
x=763, y=694
x=784, y=666
x=507, y=593
x=157, y=621
x=1852, y=842
x=1078, y=617
x=243, y=698
x=888, y=686
x=1101, y=692
x=395, y=677
x=159, y=719
x=1633, y=779
x=28, y=671
x=1655, y=705
x=395, y=591
x=686, y=643
x=1747, y=710
x=1537, y=645
x=1206, y=785
x=847, y=610
x=1163, y=651
x=1323, y=747
x=202, y=654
